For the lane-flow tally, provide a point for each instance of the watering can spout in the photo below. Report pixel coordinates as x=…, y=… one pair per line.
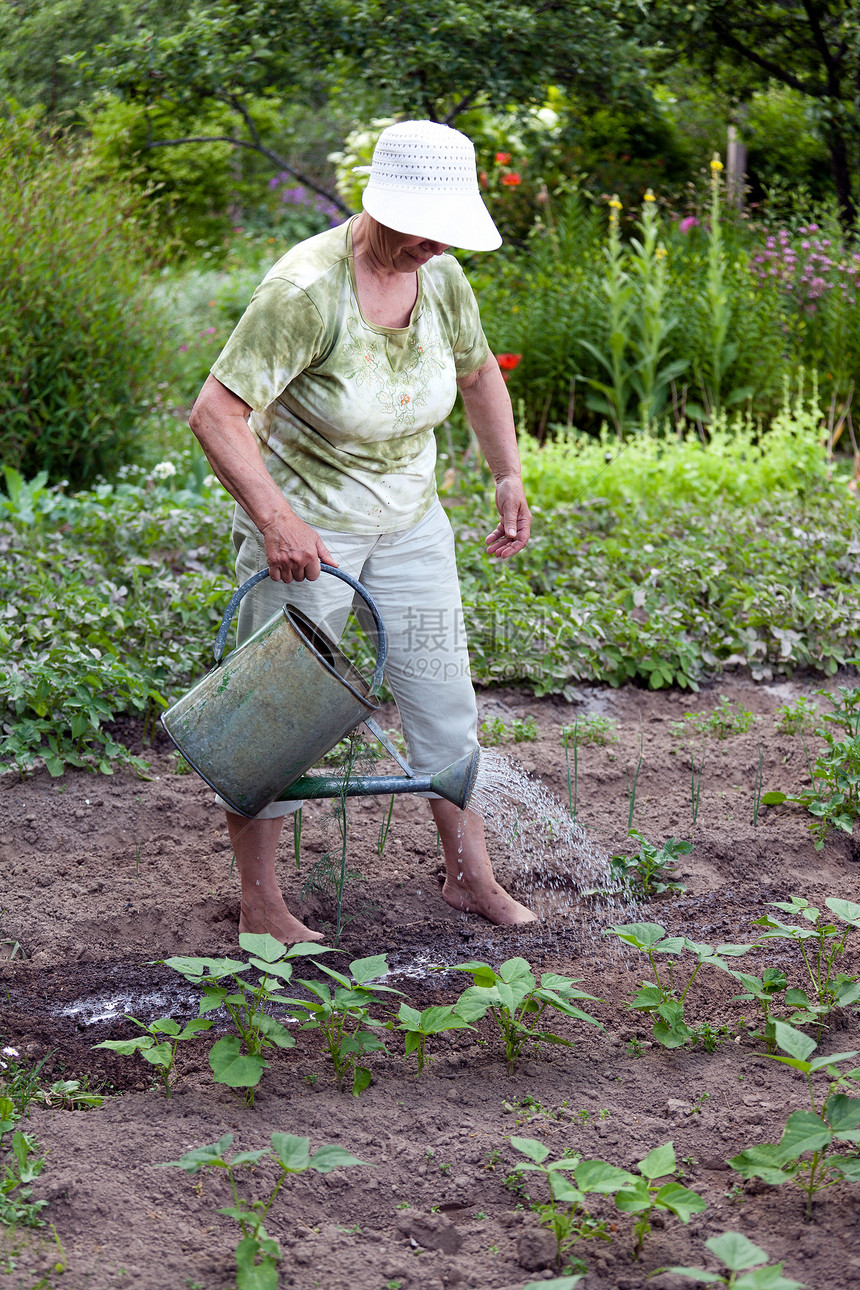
x=455, y=783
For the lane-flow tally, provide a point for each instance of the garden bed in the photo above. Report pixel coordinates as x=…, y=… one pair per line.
x=106, y=875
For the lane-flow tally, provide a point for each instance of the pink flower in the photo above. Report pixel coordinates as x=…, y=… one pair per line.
x=687, y=223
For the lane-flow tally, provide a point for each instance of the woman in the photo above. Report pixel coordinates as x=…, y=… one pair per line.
x=318, y=418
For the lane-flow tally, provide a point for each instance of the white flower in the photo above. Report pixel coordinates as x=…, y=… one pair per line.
x=11, y=1052
x=164, y=470
x=210, y=481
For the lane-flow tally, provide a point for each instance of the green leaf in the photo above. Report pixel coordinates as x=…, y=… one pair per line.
x=274, y=1031
x=537, y=1151
x=517, y=970
x=642, y=935
x=598, y=1176
x=773, y=799
x=562, y=1189
x=634, y=1200
x=302, y=948
x=248, y=1157
x=792, y=1041
x=159, y=1055
x=293, y=1152
x=164, y=1026
x=262, y=946
x=199, y=1157
x=125, y=1047
x=232, y=1067
x=659, y=1162
x=844, y=909
x=361, y=1080
x=698, y=1274
x=770, y=1278
x=735, y=1251
x=253, y=1275
x=842, y=1112
x=369, y=969
x=332, y=1157
x=763, y=1162
x=680, y=1201
x=804, y=1131
x=409, y=1017
x=482, y=974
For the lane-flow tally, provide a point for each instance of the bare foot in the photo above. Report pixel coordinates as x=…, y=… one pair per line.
x=491, y=901
x=259, y=914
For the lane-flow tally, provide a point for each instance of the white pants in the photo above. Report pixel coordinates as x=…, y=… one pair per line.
x=411, y=574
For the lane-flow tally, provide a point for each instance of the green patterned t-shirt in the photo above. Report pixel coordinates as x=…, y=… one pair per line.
x=344, y=409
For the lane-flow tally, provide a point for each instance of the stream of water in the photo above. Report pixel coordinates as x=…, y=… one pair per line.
x=560, y=872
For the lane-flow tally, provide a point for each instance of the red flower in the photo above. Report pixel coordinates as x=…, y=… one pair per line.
x=483, y=178
x=507, y=362
x=503, y=158
x=511, y=180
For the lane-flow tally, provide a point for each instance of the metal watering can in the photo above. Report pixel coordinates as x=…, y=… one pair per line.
x=270, y=711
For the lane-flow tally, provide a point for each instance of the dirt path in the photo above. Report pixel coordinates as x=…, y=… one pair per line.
x=103, y=876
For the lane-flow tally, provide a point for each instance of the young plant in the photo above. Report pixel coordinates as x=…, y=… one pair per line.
x=800, y=717
x=739, y=1259
x=343, y=1016
x=516, y=1003
x=19, y=1170
x=646, y=1194
x=565, y=1213
x=592, y=729
x=663, y=998
x=726, y=719
x=237, y=1060
x=763, y=991
x=258, y=1254
x=820, y=944
x=650, y=870
x=495, y=731
x=695, y=785
x=420, y=1025
x=572, y=733
x=802, y=1154
x=834, y=797
x=158, y=1043
x=69, y=1095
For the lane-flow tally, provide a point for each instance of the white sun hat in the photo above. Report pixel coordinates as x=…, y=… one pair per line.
x=424, y=181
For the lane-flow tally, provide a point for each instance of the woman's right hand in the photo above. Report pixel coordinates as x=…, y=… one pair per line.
x=293, y=549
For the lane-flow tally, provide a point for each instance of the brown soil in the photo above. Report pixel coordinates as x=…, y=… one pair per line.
x=104, y=876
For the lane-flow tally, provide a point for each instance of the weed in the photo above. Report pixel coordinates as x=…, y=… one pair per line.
x=631, y=787
x=384, y=828
x=650, y=870
x=710, y=1037
x=728, y=718
x=695, y=785
x=802, y=1153
x=798, y=717
x=492, y=1158
x=257, y=1253
x=69, y=1094
x=158, y=1044
x=592, y=729
x=245, y=1003
x=19, y=1170
x=634, y=1047
x=420, y=1025
x=343, y=1017
x=662, y=998
x=516, y=1003
x=700, y=1100
x=739, y=1258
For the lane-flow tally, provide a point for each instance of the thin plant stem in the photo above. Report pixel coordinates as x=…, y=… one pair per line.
x=695, y=785
x=757, y=788
x=384, y=827
x=632, y=790
x=297, y=837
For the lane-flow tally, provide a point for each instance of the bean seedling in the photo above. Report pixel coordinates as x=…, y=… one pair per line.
x=258, y=1254
x=763, y=991
x=516, y=1003
x=420, y=1025
x=245, y=1003
x=158, y=1044
x=663, y=999
x=495, y=731
x=565, y=1213
x=645, y=1194
x=800, y=717
x=834, y=798
x=19, y=1170
x=739, y=1258
x=650, y=870
x=343, y=1016
x=820, y=943
x=801, y=1155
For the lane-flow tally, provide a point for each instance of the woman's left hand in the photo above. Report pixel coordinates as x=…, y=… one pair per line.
x=512, y=532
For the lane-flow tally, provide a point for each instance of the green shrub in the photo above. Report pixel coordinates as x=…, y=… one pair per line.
x=81, y=344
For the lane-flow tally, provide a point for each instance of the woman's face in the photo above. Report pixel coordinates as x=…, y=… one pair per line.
x=401, y=252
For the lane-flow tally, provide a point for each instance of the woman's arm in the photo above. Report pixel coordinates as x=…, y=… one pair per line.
x=219, y=419
x=488, y=407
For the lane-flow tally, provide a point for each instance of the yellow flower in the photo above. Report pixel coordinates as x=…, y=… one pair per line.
x=661, y=252
x=716, y=164
x=615, y=204
x=649, y=196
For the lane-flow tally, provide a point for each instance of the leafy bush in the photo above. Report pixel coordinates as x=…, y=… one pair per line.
x=81, y=343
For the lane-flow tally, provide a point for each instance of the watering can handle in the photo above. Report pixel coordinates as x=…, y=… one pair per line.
x=381, y=635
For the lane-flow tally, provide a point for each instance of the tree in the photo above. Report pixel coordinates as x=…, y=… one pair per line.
x=813, y=46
